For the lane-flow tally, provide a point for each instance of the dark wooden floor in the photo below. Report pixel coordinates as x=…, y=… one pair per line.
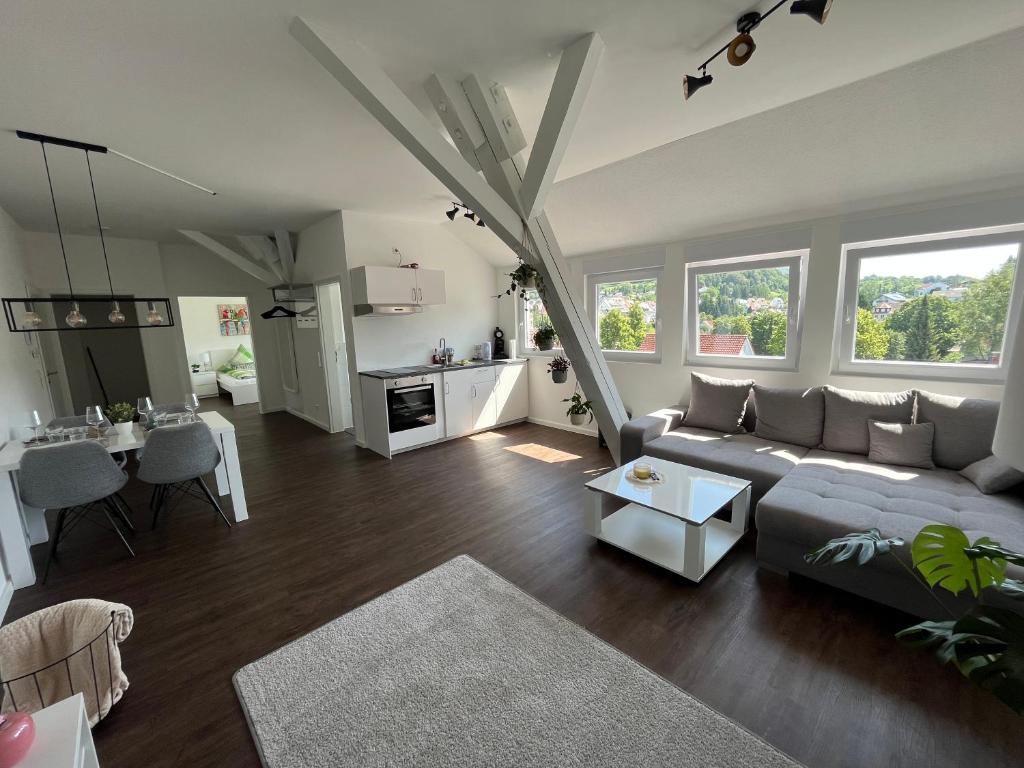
x=814, y=671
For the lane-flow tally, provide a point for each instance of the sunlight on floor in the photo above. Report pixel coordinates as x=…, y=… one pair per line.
x=482, y=436
x=542, y=453
x=596, y=472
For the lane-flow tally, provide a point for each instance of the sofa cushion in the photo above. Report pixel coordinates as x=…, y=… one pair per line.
x=717, y=403
x=762, y=462
x=906, y=445
x=964, y=427
x=992, y=475
x=831, y=494
x=847, y=413
x=791, y=415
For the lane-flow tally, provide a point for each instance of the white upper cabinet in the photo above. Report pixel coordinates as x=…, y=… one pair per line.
x=395, y=285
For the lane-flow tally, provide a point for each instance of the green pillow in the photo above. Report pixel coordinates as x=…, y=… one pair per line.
x=242, y=356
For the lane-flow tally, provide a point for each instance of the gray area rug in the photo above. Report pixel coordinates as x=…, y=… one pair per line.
x=460, y=668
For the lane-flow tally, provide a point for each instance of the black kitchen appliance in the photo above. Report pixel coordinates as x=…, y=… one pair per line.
x=411, y=403
x=499, y=353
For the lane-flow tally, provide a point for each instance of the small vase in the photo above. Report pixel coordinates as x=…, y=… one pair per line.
x=124, y=428
x=17, y=732
x=559, y=377
x=577, y=419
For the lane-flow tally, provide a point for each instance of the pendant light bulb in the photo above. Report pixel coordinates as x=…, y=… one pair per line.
x=116, y=316
x=75, y=318
x=31, y=318
x=153, y=317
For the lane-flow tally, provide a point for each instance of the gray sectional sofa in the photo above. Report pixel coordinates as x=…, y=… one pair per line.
x=809, y=455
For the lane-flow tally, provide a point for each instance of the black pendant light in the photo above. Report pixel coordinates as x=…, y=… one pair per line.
x=116, y=316
x=816, y=9
x=74, y=318
x=692, y=84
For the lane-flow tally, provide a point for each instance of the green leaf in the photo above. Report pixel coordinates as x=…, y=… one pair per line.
x=939, y=554
x=864, y=545
x=993, y=552
x=936, y=636
x=1011, y=588
x=990, y=651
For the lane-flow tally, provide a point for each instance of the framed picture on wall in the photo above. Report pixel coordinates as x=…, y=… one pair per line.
x=233, y=319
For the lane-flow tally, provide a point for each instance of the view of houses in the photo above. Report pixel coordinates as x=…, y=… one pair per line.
x=744, y=313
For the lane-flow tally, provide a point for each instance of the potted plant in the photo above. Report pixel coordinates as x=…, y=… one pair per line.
x=544, y=337
x=559, y=369
x=987, y=642
x=524, y=278
x=121, y=415
x=579, y=409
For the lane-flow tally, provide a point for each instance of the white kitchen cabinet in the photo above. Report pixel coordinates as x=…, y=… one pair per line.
x=395, y=285
x=512, y=392
x=469, y=401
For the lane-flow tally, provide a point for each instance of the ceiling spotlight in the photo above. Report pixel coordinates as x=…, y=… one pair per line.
x=453, y=212
x=469, y=215
x=741, y=49
x=816, y=9
x=480, y=222
x=692, y=84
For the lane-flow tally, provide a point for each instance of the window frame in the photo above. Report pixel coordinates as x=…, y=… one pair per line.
x=524, y=350
x=845, y=337
x=596, y=279
x=796, y=260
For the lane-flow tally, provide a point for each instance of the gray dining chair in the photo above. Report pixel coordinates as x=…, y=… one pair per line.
x=175, y=460
x=76, y=479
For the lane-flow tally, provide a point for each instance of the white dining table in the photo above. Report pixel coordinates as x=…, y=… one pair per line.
x=22, y=526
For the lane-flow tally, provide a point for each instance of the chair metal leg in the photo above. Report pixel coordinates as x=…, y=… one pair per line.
x=117, y=530
x=53, y=544
x=213, y=501
x=123, y=510
x=160, y=496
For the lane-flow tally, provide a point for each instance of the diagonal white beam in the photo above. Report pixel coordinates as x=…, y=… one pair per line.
x=359, y=74
x=229, y=255
x=285, y=253
x=456, y=115
x=262, y=249
x=565, y=102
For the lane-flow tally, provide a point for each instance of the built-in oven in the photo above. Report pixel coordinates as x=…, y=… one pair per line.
x=411, y=403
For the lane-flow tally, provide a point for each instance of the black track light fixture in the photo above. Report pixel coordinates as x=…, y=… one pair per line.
x=816, y=9
x=453, y=212
x=456, y=207
x=469, y=215
x=480, y=222
x=739, y=50
x=692, y=83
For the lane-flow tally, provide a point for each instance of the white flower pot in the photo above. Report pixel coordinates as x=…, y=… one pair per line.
x=577, y=419
x=124, y=428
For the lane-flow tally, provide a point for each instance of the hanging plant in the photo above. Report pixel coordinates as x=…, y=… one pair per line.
x=579, y=409
x=559, y=369
x=524, y=278
x=544, y=338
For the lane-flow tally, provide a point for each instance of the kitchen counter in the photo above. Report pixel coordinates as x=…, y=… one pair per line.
x=424, y=370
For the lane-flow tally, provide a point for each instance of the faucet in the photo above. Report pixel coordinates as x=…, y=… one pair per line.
x=444, y=354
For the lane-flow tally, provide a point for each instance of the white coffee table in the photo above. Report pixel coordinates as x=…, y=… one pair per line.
x=672, y=523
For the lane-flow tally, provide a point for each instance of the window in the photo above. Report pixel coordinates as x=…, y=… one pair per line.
x=624, y=309
x=929, y=308
x=533, y=316
x=745, y=312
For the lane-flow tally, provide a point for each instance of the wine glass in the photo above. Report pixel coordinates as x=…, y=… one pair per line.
x=144, y=405
x=33, y=422
x=94, y=416
x=192, y=405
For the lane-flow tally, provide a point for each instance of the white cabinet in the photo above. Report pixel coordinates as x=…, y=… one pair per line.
x=204, y=383
x=469, y=401
x=512, y=392
x=395, y=285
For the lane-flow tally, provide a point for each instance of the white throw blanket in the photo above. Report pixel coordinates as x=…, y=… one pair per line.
x=38, y=643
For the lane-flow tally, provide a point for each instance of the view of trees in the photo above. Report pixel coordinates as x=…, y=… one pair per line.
x=626, y=313
x=935, y=328
x=748, y=303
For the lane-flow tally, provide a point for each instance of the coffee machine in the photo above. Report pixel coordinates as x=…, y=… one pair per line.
x=498, y=352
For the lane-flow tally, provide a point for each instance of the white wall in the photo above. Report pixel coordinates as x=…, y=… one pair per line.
x=201, y=329
x=647, y=386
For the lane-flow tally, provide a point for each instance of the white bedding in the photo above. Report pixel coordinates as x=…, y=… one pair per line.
x=242, y=391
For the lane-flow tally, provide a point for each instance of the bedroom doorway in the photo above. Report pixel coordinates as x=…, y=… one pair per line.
x=218, y=346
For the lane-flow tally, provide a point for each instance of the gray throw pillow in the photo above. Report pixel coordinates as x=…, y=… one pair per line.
x=794, y=416
x=992, y=475
x=964, y=427
x=717, y=404
x=847, y=413
x=906, y=445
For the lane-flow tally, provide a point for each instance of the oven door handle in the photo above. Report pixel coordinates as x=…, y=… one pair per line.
x=420, y=388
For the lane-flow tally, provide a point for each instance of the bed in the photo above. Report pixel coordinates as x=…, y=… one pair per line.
x=236, y=375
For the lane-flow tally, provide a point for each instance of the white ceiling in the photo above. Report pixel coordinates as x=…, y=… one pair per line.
x=219, y=92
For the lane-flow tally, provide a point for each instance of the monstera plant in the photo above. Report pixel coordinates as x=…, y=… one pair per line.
x=987, y=642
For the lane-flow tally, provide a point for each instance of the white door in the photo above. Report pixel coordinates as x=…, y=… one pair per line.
x=458, y=403
x=390, y=285
x=485, y=408
x=430, y=283
x=335, y=356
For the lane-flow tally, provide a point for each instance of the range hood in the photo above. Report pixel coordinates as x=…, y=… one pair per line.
x=386, y=310
x=379, y=291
